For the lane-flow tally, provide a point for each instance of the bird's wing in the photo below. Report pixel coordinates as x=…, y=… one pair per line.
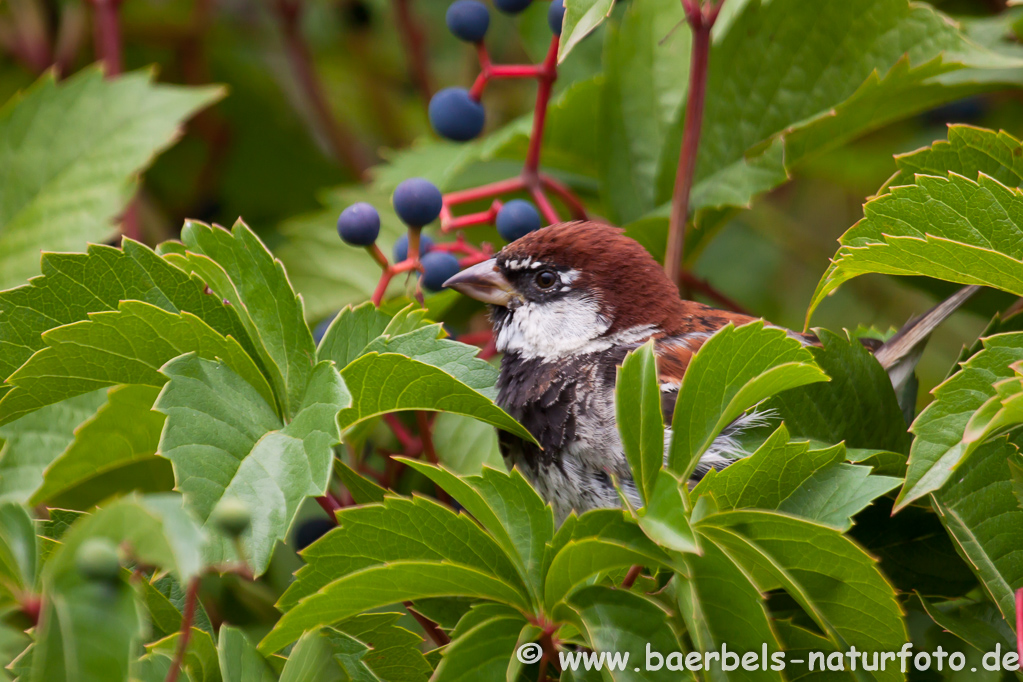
x=900, y=353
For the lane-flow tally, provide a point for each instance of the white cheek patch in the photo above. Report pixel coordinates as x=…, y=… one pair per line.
x=552, y=329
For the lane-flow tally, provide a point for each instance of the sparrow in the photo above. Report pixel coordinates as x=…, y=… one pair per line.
x=568, y=303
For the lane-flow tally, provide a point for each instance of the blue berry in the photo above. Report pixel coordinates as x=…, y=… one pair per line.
x=516, y=219
x=311, y=531
x=417, y=202
x=468, y=20
x=455, y=115
x=322, y=327
x=556, y=16
x=438, y=267
x=512, y=6
x=401, y=247
x=359, y=224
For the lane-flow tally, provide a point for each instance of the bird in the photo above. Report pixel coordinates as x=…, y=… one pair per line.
x=568, y=302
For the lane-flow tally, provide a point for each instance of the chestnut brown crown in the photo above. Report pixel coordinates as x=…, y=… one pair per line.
x=630, y=285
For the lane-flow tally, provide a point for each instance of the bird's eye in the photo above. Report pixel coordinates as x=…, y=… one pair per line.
x=545, y=279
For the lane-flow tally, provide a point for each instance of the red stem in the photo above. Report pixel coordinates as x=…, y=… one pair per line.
x=1019, y=626
x=131, y=226
x=565, y=194
x=544, y=204
x=517, y=71
x=701, y=21
x=541, y=675
x=471, y=219
x=492, y=189
x=405, y=439
x=346, y=147
x=547, y=75
x=330, y=504
x=630, y=577
x=423, y=424
x=550, y=650
x=704, y=287
x=107, y=35
x=414, y=42
x=489, y=350
x=439, y=637
x=378, y=256
x=187, y=617
x=378, y=293
x=477, y=338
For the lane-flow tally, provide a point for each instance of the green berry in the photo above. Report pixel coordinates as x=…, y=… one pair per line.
x=97, y=560
x=232, y=517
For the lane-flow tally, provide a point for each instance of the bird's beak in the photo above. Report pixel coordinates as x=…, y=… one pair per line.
x=484, y=282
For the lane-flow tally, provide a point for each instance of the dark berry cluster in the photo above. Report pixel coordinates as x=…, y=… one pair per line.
x=456, y=113
x=417, y=202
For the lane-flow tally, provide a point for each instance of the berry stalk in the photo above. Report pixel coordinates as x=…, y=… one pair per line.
x=108, y=35
x=343, y=143
x=414, y=41
x=191, y=597
x=701, y=20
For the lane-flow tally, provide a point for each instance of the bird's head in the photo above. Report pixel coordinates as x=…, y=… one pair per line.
x=572, y=288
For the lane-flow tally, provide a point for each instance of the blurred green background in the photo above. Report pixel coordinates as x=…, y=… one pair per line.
x=268, y=154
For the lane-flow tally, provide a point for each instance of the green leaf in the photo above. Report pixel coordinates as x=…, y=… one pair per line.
x=30, y=444
x=789, y=80
x=508, y=508
x=640, y=420
x=665, y=518
x=983, y=517
x=940, y=446
x=239, y=659
x=581, y=17
x=385, y=584
x=789, y=477
x=721, y=606
x=313, y=659
x=968, y=151
x=466, y=445
x=484, y=652
x=388, y=382
x=76, y=284
x=128, y=346
x=768, y=476
x=113, y=452
x=646, y=62
x=156, y=529
x=857, y=406
x=833, y=580
x=240, y=269
x=87, y=632
x=834, y=495
x=201, y=658
x=619, y=621
x=72, y=156
x=164, y=600
x=716, y=389
x=18, y=551
x=225, y=440
x=978, y=624
x=588, y=552
x=363, y=490
x=914, y=550
x=385, y=649
x=400, y=529
x=328, y=273
x=951, y=228
x=350, y=332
